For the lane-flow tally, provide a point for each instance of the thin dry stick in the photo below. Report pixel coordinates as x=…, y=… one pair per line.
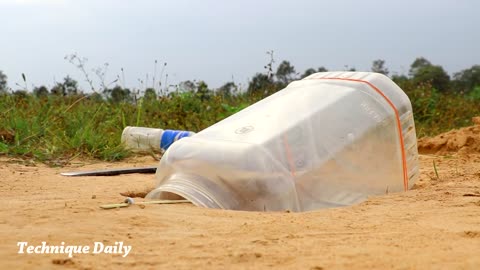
x=127, y=203
x=435, y=169
x=73, y=104
x=154, y=75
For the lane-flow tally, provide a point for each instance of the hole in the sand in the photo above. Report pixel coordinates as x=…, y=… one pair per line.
x=171, y=196
x=143, y=193
x=135, y=194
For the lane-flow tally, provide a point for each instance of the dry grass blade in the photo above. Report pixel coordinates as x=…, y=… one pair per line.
x=435, y=169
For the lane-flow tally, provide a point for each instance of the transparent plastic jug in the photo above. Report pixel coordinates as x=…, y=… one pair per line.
x=331, y=139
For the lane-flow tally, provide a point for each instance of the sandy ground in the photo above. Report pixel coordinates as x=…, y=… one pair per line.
x=434, y=226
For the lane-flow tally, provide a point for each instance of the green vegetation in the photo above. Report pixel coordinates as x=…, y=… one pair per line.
x=58, y=124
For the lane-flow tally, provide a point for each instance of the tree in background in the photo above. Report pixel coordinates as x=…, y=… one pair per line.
x=69, y=87
x=434, y=75
x=285, y=72
x=3, y=82
x=348, y=68
x=40, y=92
x=417, y=64
x=228, y=89
x=271, y=80
x=95, y=97
x=467, y=79
x=422, y=71
x=400, y=79
x=20, y=94
x=311, y=71
x=58, y=90
x=260, y=82
x=322, y=69
x=118, y=94
x=379, y=67
x=186, y=86
x=308, y=72
x=150, y=94
x=202, y=90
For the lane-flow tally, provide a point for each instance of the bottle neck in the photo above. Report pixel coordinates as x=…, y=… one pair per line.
x=188, y=186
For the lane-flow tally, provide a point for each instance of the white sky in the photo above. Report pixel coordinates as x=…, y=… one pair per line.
x=213, y=40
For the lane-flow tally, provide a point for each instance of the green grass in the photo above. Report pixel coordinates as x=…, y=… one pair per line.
x=436, y=112
x=56, y=129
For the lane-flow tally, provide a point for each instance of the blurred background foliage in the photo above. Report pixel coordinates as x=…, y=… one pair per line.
x=58, y=123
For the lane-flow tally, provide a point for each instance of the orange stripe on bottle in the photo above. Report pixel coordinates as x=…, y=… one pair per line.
x=289, y=156
x=397, y=118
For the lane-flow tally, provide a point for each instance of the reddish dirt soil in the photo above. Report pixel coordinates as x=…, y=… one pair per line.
x=464, y=141
x=434, y=225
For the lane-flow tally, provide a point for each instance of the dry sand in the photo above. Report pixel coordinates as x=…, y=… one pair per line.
x=435, y=225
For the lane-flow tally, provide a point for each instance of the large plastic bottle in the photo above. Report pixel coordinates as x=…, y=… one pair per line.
x=331, y=139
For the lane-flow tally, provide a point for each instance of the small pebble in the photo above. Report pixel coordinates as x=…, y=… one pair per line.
x=129, y=200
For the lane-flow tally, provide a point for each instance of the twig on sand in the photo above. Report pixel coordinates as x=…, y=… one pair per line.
x=435, y=169
x=130, y=201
